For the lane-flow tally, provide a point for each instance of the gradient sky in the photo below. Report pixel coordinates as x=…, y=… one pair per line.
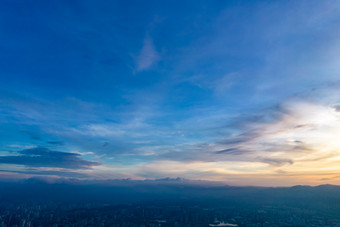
x=244, y=92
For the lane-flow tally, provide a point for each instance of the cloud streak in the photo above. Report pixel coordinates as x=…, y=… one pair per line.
x=44, y=157
x=148, y=55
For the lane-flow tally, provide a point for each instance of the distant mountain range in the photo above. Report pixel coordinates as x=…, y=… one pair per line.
x=177, y=189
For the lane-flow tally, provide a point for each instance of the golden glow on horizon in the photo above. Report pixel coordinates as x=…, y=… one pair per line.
x=302, y=147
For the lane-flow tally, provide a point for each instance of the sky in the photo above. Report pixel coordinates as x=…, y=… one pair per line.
x=242, y=92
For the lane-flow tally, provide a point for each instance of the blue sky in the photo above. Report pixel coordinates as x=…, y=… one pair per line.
x=243, y=92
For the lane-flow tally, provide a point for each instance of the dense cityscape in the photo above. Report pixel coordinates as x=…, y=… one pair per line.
x=152, y=215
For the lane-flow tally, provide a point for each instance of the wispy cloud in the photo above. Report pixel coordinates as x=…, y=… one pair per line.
x=148, y=55
x=44, y=157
